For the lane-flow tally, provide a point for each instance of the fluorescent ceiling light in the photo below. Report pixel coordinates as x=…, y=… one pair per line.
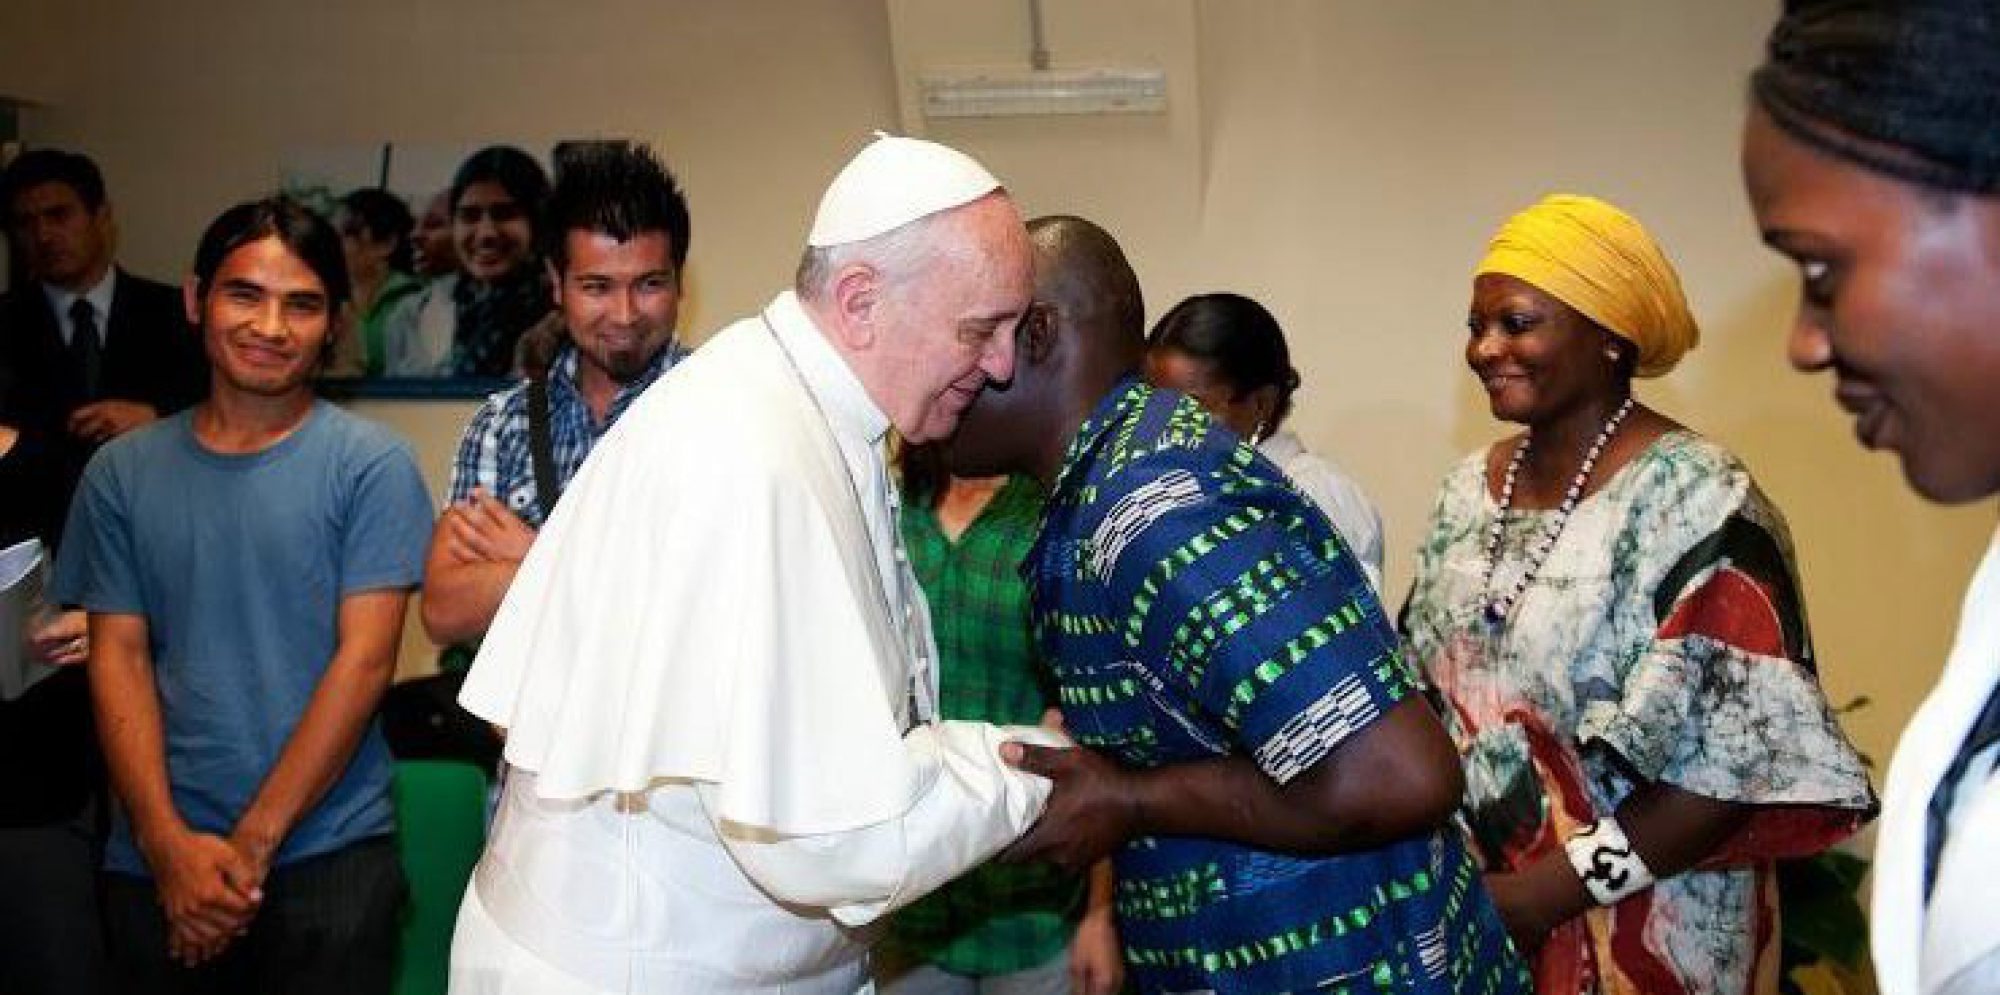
x=1017, y=92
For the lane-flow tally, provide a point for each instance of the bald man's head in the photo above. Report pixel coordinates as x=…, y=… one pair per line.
x=1084, y=333
x=1081, y=271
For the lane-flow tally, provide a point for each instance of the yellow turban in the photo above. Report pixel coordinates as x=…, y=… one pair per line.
x=1600, y=261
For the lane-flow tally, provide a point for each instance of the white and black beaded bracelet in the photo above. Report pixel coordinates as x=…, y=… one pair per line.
x=1610, y=867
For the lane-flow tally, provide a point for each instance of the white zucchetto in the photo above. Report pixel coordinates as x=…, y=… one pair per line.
x=892, y=182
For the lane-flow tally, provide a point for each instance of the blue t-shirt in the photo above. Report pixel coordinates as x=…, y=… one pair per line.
x=239, y=564
x=1193, y=605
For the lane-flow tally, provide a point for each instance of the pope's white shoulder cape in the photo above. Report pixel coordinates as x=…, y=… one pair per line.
x=700, y=607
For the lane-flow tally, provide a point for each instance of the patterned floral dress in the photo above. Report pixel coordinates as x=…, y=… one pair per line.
x=1663, y=640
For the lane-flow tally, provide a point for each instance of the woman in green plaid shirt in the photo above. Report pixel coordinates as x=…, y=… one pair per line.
x=1001, y=928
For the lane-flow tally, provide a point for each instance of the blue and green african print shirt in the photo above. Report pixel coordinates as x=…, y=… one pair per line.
x=1193, y=605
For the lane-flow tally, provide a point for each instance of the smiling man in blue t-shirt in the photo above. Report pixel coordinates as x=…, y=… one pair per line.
x=246, y=565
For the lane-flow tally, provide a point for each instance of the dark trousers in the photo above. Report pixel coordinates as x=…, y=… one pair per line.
x=51, y=937
x=328, y=925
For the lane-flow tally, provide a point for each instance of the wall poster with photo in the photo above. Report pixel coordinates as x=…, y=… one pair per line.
x=443, y=255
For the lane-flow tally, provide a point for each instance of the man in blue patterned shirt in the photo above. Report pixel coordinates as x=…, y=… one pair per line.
x=617, y=230
x=1272, y=784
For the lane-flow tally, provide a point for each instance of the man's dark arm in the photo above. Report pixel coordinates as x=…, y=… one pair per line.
x=1398, y=777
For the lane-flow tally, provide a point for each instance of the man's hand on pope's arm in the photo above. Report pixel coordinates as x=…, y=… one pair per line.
x=1089, y=815
x=1395, y=778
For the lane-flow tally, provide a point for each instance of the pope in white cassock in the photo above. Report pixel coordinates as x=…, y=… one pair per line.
x=715, y=669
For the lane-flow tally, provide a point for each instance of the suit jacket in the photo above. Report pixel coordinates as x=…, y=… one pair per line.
x=150, y=355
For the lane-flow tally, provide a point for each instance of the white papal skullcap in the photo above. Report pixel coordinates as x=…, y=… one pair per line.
x=893, y=182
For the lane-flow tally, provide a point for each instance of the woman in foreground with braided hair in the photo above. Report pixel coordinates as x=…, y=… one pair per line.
x=1872, y=159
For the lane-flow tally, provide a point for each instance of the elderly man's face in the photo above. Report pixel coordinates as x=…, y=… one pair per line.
x=991, y=438
x=951, y=328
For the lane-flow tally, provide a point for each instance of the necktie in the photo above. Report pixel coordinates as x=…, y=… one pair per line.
x=85, y=346
x=1985, y=732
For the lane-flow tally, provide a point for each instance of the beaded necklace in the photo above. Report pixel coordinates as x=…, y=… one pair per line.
x=1497, y=610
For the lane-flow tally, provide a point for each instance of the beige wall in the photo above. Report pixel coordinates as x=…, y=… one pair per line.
x=1343, y=161
x=30, y=69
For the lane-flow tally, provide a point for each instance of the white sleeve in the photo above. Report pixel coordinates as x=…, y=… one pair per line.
x=970, y=805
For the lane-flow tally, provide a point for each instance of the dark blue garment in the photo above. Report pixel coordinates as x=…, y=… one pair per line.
x=1194, y=605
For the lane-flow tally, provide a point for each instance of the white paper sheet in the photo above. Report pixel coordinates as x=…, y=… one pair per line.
x=23, y=572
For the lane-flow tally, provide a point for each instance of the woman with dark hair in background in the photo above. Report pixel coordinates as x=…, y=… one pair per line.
x=467, y=324
x=1872, y=158
x=374, y=227
x=1227, y=352
x=1607, y=607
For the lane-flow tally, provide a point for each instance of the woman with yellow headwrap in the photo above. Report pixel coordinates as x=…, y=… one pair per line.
x=1607, y=607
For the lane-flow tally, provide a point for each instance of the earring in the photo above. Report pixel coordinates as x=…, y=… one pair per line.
x=1257, y=434
x=1611, y=353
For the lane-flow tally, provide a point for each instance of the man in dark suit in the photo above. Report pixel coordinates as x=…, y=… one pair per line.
x=94, y=351
x=87, y=352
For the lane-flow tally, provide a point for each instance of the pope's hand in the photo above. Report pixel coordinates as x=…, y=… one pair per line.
x=1091, y=812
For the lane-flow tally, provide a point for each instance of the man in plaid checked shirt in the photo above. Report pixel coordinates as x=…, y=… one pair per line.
x=617, y=231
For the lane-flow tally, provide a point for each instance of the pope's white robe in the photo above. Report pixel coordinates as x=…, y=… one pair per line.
x=706, y=667
x=1951, y=945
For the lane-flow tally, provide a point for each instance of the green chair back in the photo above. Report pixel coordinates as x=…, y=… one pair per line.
x=440, y=829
